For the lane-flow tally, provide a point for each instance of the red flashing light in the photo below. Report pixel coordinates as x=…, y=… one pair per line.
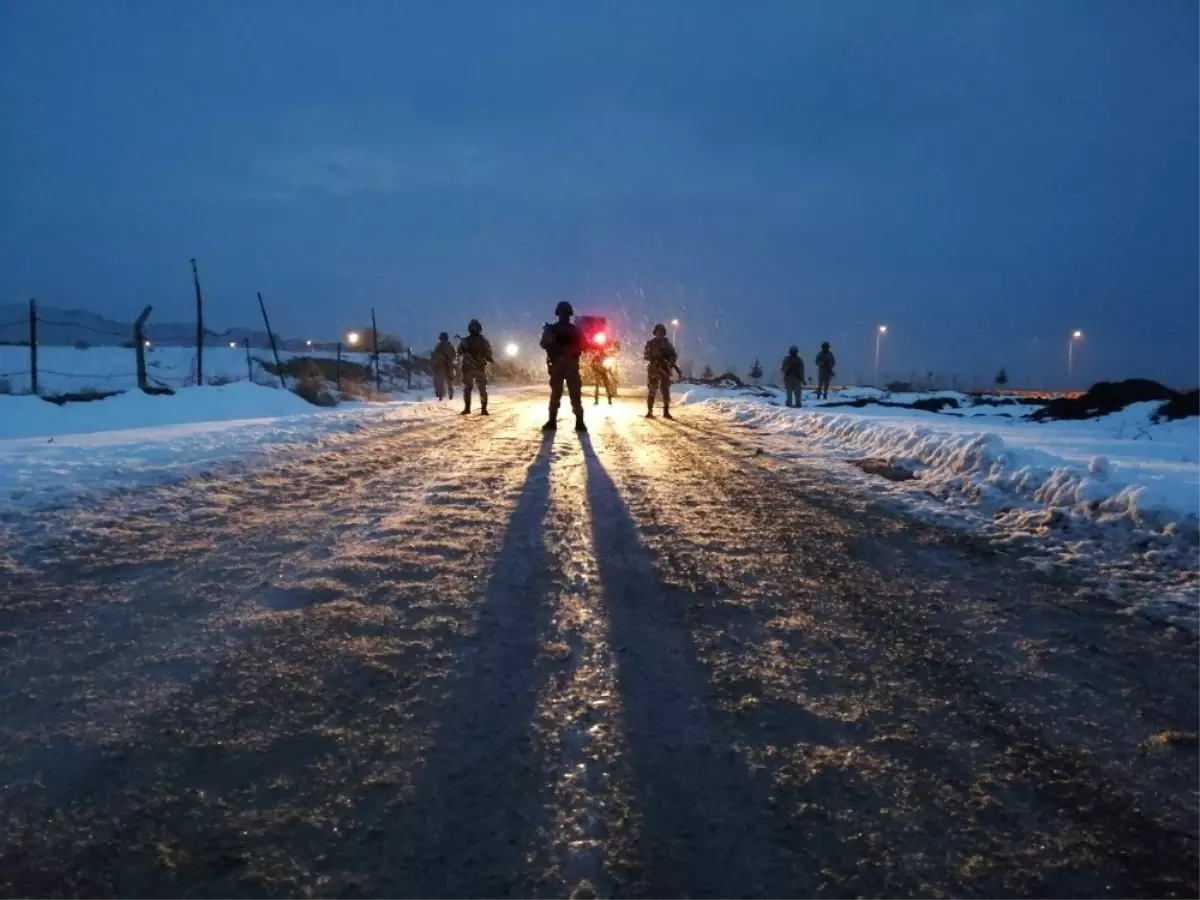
x=599, y=338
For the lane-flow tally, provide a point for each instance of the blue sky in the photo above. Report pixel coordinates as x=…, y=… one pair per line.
x=983, y=177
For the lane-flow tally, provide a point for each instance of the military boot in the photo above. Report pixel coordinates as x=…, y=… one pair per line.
x=579, y=425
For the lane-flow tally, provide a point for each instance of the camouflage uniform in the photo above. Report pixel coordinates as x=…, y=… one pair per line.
x=562, y=359
x=660, y=359
x=792, y=368
x=442, y=363
x=476, y=353
x=825, y=364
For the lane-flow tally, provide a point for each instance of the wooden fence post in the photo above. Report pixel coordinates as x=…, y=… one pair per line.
x=139, y=347
x=249, y=364
x=375, y=346
x=199, y=328
x=33, y=344
x=337, y=367
x=271, y=335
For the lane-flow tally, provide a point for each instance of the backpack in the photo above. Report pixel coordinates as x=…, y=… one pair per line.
x=549, y=341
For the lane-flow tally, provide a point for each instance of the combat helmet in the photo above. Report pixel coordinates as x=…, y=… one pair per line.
x=474, y=327
x=660, y=330
x=564, y=309
x=443, y=336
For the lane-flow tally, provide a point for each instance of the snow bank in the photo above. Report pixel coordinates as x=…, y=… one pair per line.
x=1120, y=486
x=29, y=416
x=50, y=454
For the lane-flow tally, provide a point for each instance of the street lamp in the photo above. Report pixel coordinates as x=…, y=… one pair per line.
x=309, y=343
x=878, y=344
x=352, y=338
x=233, y=345
x=1076, y=335
x=511, y=349
x=675, y=332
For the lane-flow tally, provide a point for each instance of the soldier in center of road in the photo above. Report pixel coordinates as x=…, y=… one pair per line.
x=563, y=343
x=476, y=353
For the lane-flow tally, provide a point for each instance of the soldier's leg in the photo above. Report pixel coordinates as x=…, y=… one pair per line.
x=467, y=379
x=556, y=386
x=665, y=387
x=651, y=389
x=481, y=383
x=575, y=389
x=437, y=384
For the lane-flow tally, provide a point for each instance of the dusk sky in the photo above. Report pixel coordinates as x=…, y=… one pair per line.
x=983, y=177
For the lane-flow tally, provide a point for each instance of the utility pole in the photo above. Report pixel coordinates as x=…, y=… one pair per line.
x=199, y=327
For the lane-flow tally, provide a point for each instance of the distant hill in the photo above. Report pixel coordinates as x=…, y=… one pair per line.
x=67, y=327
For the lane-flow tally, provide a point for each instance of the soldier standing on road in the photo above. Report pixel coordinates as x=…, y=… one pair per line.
x=792, y=368
x=825, y=364
x=476, y=353
x=563, y=343
x=442, y=363
x=660, y=359
x=601, y=374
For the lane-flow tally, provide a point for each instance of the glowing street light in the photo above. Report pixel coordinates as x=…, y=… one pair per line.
x=147, y=344
x=1076, y=335
x=352, y=338
x=309, y=343
x=233, y=345
x=511, y=349
x=878, y=344
x=675, y=331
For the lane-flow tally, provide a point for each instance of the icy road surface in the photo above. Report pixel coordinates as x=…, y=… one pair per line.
x=455, y=658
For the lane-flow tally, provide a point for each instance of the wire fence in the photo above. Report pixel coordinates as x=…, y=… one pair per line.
x=58, y=357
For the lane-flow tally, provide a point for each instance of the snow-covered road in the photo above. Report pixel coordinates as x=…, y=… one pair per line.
x=450, y=657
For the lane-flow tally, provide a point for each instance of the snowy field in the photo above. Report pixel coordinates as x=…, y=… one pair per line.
x=1117, y=497
x=65, y=369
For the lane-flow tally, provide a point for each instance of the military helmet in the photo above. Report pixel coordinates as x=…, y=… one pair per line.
x=793, y=349
x=443, y=336
x=824, y=345
x=474, y=327
x=660, y=330
x=564, y=309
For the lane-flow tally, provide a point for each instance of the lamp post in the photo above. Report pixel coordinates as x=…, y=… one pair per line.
x=878, y=345
x=1076, y=335
x=675, y=333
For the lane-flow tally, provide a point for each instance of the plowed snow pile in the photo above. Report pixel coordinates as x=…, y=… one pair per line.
x=1116, y=497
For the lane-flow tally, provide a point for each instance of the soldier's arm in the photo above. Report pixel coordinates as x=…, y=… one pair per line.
x=487, y=350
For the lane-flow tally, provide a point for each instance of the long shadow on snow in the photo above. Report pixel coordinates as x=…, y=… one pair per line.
x=477, y=801
x=462, y=831
x=705, y=831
